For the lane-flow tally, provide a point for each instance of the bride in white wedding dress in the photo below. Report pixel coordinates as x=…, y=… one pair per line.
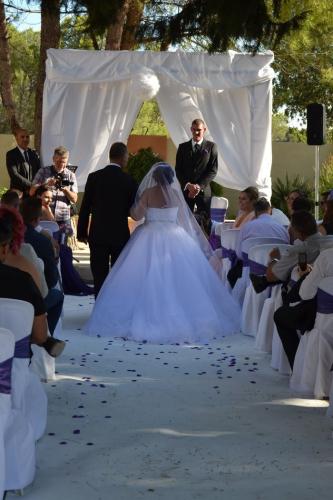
x=163, y=288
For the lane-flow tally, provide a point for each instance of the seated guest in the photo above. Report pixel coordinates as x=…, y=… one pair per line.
x=14, y=257
x=323, y=199
x=299, y=203
x=302, y=203
x=291, y=197
x=263, y=226
x=18, y=284
x=301, y=316
x=10, y=199
x=31, y=209
x=246, y=200
x=310, y=243
x=45, y=195
x=326, y=226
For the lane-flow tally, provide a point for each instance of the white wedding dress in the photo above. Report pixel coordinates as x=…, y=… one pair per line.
x=162, y=289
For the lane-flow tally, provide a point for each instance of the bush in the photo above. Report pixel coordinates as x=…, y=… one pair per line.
x=141, y=162
x=326, y=175
x=281, y=188
x=217, y=189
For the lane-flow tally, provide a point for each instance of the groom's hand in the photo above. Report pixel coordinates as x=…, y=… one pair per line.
x=193, y=190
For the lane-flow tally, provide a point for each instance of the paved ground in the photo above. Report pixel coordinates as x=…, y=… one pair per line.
x=134, y=421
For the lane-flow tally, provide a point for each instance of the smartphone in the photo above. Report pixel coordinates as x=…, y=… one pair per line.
x=302, y=261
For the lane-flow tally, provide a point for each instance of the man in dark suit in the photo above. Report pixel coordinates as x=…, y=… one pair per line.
x=22, y=163
x=108, y=197
x=196, y=167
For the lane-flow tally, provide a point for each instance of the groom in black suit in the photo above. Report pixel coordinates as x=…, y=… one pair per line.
x=22, y=163
x=196, y=167
x=108, y=196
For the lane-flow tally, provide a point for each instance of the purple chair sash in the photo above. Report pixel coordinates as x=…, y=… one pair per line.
x=256, y=268
x=215, y=241
x=324, y=302
x=245, y=259
x=22, y=348
x=6, y=376
x=218, y=214
x=227, y=253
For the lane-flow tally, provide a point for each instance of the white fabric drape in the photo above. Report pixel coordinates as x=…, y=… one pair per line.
x=90, y=101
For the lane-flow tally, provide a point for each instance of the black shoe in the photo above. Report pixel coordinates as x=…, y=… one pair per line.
x=259, y=283
x=54, y=347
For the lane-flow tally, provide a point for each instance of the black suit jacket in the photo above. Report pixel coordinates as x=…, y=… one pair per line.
x=18, y=169
x=108, y=196
x=197, y=168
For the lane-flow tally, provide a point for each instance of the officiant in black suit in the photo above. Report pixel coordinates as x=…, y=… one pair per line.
x=22, y=163
x=108, y=197
x=196, y=167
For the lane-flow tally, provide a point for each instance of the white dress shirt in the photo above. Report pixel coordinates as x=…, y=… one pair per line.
x=322, y=268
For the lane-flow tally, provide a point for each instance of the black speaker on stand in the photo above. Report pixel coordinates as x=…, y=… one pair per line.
x=315, y=136
x=316, y=124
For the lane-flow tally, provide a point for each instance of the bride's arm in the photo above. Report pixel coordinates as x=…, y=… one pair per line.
x=138, y=210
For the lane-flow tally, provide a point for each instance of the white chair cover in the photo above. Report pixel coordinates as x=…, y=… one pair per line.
x=254, y=302
x=229, y=239
x=218, y=208
x=7, y=343
x=241, y=284
x=314, y=357
x=28, y=394
x=42, y=364
x=266, y=325
x=17, y=443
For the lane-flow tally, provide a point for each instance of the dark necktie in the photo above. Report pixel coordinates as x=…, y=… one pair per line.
x=197, y=148
x=26, y=156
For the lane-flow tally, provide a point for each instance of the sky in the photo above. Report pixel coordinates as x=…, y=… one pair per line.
x=26, y=20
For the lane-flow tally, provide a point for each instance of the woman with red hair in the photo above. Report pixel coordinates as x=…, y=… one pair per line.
x=14, y=257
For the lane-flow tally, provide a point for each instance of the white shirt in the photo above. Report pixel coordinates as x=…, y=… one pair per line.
x=322, y=268
x=194, y=143
x=264, y=226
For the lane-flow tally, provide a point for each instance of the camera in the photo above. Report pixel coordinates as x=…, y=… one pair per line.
x=61, y=181
x=302, y=261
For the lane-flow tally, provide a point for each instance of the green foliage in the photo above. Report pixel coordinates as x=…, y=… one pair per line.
x=24, y=53
x=217, y=189
x=303, y=62
x=281, y=188
x=149, y=120
x=3, y=190
x=74, y=34
x=141, y=162
x=254, y=22
x=326, y=175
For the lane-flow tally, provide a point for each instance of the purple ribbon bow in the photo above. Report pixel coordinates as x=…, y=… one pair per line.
x=6, y=376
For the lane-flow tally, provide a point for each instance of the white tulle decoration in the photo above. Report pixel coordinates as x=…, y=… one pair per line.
x=146, y=85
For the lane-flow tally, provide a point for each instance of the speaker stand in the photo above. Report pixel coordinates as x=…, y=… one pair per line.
x=316, y=186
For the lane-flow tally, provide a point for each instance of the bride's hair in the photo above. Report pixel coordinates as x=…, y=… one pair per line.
x=163, y=174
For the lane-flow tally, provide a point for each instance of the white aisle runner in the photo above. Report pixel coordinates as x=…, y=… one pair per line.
x=134, y=421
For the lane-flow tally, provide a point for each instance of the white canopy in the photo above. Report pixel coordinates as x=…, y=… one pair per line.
x=92, y=98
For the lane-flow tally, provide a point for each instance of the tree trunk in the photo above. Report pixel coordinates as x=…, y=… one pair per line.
x=134, y=17
x=49, y=38
x=115, y=29
x=6, y=90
